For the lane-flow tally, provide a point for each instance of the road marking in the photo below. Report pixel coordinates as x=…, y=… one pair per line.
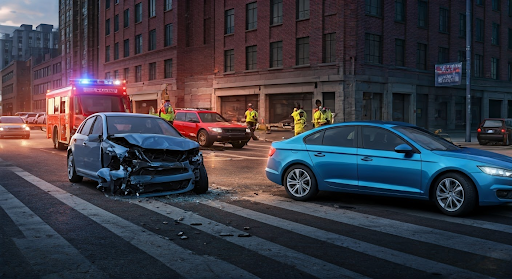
x=42, y=245
x=172, y=255
x=54, y=152
x=401, y=258
x=429, y=235
x=315, y=267
x=210, y=155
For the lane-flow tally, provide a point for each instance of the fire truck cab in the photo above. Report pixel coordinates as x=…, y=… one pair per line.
x=67, y=107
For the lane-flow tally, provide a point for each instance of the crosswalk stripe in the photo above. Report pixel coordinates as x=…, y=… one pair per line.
x=434, y=236
x=233, y=155
x=401, y=258
x=42, y=245
x=274, y=251
x=175, y=257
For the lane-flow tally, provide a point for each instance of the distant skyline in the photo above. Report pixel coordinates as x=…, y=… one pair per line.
x=33, y=12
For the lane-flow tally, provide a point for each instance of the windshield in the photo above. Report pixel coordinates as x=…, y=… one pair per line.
x=210, y=117
x=11, y=120
x=426, y=139
x=101, y=103
x=140, y=125
x=492, y=124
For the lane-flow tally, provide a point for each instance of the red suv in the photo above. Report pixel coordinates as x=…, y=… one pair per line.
x=494, y=130
x=208, y=127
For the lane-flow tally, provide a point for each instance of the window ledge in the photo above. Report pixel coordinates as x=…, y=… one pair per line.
x=302, y=19
x=230, y=34
x=251, y=30
x=251, y=71
x=168, y=10
x=301, y=66
x=328, y=64
x=444, y=32
x=229, y=73
x=277, y=24
x=400, y=21
x=372, y=15
x=275, y=68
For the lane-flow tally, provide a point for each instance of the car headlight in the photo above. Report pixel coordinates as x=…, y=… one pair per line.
x=247, y=130
x=217, y=130
x=27, y=128
x=1, y=129
x=24, y=126
x=496, y=171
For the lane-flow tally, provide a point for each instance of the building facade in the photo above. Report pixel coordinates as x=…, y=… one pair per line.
x=46, y=75
x=16, y=87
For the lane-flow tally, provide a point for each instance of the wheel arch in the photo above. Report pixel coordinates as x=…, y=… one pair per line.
x=295, y=163
x=431, y=184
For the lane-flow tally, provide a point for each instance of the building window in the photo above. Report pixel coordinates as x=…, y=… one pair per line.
x=107, y=27
x=138, y=12
x=480, y=2
x=421, y=58
x=399, y=52
x=116, y=74
x=276, y=54
x=374, y=7
x=116, y=23
x=230, y=21
x=107, y=4
x=479, y=30
x=479, y=65
x=510, y=38
x=302, y=52
x=251, y=60
x=126, y=47
x=461, y=57
x=126, y=73
x=138, y=44
x=107, y=53
x=229, y=60
x=442, y=55
x=400, y=10
x=168, y=35
x=152, y=71
x=116, y=51
x=495, y=39
x=422, y=14
x=302, y=9
x=152, y=39
x=138, y=73
x=444, y=20
x=117, y=2
x=496, y=5
x=168, y=68
x=373, y=49
x=329, y=48
x=462, y=25
x=252, y=16
x=276, y=12
x=126, y=18
x=495, y=65
x=107, y=75
x=152, y=8
x=168, y=5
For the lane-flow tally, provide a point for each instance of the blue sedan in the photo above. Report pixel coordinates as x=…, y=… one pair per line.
x=390, y=159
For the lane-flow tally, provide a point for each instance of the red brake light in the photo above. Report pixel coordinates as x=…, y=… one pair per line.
x=479, y=130
x=503, y=130
x=271, y=151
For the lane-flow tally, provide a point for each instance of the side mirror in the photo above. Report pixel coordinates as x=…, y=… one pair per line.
x=403, y=148
x=94, y=138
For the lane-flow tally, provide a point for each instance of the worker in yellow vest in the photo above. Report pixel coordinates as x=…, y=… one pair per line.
x=328, y=115
x=299, y=122
x=251, y=119
x=167, y=112
x=319, y=118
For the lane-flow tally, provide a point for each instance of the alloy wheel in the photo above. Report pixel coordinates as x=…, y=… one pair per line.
x=450, y=194
x=71, y=166
x=298, y=182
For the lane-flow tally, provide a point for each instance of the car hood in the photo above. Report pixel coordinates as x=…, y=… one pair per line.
x=224, y=125
x=483, y=156
x=13, y=125
x=150, y=141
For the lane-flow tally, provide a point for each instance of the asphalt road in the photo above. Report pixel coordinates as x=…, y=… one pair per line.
x=244, y=227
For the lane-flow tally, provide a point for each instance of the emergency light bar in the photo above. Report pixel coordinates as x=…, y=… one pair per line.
x=97, y=81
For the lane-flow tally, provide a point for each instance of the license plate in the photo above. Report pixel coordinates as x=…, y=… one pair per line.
x=490, y=131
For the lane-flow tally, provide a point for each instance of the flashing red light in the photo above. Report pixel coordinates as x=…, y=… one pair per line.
x=479, y=130
x=503, y=130
x=271, y=151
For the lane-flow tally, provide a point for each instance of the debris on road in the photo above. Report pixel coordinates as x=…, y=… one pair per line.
x=244, y=235
x=246, y=228
x=195, y=224
x=180, y=233
x=226, y=234
x=184, y=237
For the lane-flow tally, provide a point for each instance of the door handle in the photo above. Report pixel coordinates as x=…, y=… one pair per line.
x=319, y=155
x=367, y=159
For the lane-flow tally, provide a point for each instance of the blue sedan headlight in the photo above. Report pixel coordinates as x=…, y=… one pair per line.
x=496, y=171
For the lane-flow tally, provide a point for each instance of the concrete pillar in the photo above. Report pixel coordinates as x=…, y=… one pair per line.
x=339, y=103
x=263, y=107
x=451, y=113
x=504, y=105
x=485, y=105
x=387, y=103
x=412, y=106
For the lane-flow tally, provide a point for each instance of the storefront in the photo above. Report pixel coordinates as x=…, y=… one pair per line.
x=233, y=107
x=281, y=106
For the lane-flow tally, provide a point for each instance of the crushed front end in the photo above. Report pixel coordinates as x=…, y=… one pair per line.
x=149, y=165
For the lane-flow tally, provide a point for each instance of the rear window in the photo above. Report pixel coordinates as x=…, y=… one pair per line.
x=11, y=120
x=492, y=124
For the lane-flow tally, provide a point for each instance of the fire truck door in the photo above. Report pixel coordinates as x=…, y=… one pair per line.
x=64, y=119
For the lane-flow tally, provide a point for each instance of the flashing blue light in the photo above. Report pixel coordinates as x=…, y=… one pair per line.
x=84, y=81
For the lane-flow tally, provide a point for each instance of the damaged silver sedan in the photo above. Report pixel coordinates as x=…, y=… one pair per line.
x=135, y=154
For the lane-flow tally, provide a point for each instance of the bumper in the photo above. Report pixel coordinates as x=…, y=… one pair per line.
x=491, y=137
x=489, y=186
x=17, y=133
x=273, y=176
x=230, y=138
x=164, y=185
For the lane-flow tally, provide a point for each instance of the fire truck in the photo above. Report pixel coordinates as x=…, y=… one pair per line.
x=67, y=107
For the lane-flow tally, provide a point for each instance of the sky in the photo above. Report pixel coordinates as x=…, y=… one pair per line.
x=34, y=12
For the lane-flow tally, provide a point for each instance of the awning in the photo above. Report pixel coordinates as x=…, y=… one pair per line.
x=144, y=95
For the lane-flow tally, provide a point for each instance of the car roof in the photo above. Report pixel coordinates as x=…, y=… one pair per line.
x=196, y=110
x=377, y=122
x=125, y=114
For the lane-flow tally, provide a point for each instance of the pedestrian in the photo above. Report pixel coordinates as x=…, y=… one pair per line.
x=319, y=117
x=251, y=119
x=167, y=112
x=328, y=115
x=299, y=121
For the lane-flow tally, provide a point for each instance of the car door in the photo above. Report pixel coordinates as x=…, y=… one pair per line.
x=383, y=170
x=79, y=149
x=334, y=156
x=179, y=120
x=92, y=147
x=191, y=124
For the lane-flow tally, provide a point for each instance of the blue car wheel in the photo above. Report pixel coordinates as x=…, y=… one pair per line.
x=455, y=194
x=300, y=183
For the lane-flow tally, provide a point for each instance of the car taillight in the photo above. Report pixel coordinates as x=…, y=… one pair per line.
x=271, y=151
x=479, y=130
x=503, y=130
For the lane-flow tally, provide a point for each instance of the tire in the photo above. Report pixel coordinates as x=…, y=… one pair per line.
x=204, y=139
x=54, y=138
x=483, y=142
x=72, y=176
x=300, y=183
x=239, y=145
x=454, y=194
x=26, y=137
x=201, y=185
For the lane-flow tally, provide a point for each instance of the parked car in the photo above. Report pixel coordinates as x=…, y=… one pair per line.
x=13, y=126
x=208, y=127
x=41, y=118
x=137, y=154
x=494, y=130
x=390, y=159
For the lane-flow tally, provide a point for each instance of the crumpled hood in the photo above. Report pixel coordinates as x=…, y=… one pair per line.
x=150, y=141
x=483, y=156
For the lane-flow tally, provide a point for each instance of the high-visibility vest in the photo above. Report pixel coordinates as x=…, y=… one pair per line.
x=167, y=112
x=251, y=116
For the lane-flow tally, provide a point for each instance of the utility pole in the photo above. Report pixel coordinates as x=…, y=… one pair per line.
x=468, y=70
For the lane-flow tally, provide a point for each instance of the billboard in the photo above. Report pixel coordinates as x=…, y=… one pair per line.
x=448, y=74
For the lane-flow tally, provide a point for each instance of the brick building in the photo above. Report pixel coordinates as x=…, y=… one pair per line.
x=46, y=75
x=16, y=87
x=370, y=59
